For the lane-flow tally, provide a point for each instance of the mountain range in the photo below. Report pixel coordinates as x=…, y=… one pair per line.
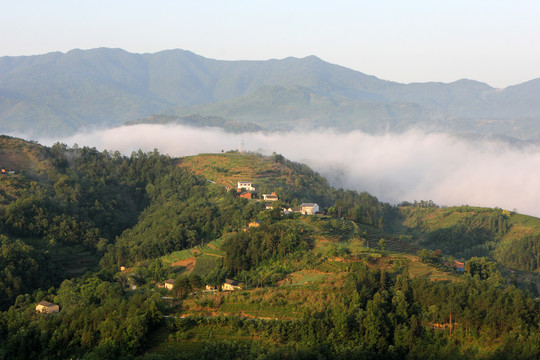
x=62, y=93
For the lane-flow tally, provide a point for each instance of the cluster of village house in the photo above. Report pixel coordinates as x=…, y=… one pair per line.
x=228, y=285
x=45, y=307
x=245, y=188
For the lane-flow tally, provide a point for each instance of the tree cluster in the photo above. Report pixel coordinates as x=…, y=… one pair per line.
x=96, y=321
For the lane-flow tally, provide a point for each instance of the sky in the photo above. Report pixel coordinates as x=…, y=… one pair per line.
x=492, y=41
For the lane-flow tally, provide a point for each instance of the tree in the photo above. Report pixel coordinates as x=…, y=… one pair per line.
x=357, y=246
x=480, y=266
x=182, y=286
x=382, y=244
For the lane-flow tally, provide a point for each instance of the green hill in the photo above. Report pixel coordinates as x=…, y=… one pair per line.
x=19, y=155
x=100, y=234
x=293, y=182
x=510, y=238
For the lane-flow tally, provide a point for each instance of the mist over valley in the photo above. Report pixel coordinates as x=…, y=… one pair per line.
x=454, y=143
x=395, y=167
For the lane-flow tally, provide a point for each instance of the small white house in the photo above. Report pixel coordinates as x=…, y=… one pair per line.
x=309, y=208
x=169, y=284
x=245, y=185
x=270, y=197
x=46, y=307
x=231, y=285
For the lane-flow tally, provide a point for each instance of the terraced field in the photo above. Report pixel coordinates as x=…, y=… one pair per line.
x=199, y=260
x=229, y=168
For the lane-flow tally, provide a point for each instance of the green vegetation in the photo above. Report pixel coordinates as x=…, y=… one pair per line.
x=274, y=95
x=98, y=233
x=294, y=183
x=464, y=232
x=362, y=313
x=97, y=320
x=245, y=250
x=523, y=253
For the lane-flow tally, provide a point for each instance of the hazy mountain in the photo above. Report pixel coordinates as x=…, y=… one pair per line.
x=60, y=93
x=198, y=121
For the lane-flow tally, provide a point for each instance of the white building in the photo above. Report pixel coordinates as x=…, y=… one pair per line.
x=169, y=284
x=47, y=307
x=309, y=208
x=270, y=197
x=245, y=185
x=231, y=285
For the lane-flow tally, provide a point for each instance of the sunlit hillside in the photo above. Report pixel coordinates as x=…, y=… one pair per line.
x=153, y=257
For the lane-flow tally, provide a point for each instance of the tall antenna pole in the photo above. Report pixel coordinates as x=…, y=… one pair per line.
x=242, y=148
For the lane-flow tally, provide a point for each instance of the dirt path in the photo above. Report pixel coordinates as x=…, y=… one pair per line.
x=216, y=255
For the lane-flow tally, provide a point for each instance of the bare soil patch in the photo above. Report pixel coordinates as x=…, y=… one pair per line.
x=188, y=263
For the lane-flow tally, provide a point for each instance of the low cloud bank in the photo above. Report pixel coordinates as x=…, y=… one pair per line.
x=394, y=167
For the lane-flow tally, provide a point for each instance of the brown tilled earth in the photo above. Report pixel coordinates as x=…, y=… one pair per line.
x=188, y=263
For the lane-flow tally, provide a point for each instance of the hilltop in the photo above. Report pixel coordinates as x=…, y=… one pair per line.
x=19, y=155
x=293, y=182
x=99, y=234
x=61, y=93
x=459, y=231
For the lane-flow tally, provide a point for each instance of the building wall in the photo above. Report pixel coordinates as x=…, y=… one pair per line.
x=229, y=287
x=245, y=185
x=310, y=210
x=48, y=309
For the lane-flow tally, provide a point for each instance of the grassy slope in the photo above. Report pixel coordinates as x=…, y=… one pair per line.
x=435, y=218
x=229, y=168
x=306, y=290
x=406, y=233
x=430, y=219
x=420, y=221
x=20, y=155
x=294, y=183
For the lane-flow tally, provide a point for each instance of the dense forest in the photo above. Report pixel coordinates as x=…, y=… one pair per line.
x=92, y=232
x=372, y=314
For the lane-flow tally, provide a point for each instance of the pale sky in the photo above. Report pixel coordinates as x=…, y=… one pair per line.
x=493, y=41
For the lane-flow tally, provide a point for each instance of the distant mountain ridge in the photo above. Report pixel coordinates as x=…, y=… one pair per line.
x=61, y=93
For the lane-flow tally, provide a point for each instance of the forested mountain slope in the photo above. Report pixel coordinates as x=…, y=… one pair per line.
x=126, y=208
x=512, y=239
x=59, y=93
x=98, y=232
